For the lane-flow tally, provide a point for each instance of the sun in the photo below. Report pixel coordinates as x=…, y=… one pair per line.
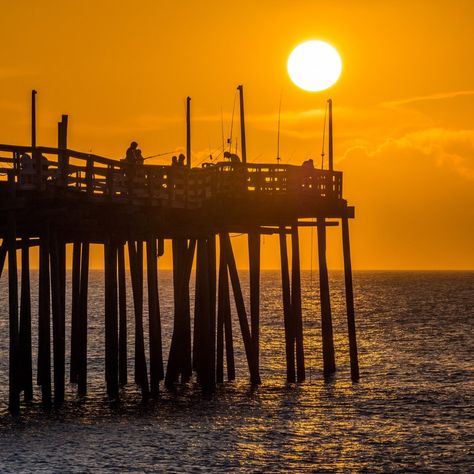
x=314, y=65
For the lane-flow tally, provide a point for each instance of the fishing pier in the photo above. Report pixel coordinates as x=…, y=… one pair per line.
x=80, y=199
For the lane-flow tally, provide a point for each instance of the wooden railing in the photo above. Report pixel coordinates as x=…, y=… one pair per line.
x=174, y=186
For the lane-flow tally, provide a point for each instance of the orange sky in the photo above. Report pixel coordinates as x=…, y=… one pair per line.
x=404, y=105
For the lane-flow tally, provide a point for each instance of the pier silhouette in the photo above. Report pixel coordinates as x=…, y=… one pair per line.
x=79, y=199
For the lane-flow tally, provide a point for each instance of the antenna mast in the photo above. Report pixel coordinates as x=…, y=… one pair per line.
x=330, y=136
x=278, y=136
x=188, y=132
x=33, y=118
x=242, y=125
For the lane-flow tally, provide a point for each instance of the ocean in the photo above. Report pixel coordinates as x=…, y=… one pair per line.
x=411, y=411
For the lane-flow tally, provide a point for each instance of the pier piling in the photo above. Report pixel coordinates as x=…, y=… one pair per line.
x=329, y=362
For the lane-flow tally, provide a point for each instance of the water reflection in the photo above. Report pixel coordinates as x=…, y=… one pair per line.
x=410, y=411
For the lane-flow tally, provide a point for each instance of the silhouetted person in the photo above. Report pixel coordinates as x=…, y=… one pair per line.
x=27, y=169
x=174, y=161
x=131, y=156
x=232, y=157
x=181, y=160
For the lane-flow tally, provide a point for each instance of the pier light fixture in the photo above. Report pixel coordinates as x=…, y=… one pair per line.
x=314, y=66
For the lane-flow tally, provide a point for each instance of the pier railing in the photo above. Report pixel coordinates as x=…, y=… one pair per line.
x=174, y=186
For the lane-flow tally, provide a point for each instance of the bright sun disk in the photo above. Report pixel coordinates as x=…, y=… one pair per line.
x=314, y=65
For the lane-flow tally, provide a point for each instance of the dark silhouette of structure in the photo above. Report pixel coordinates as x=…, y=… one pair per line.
x=84, y=199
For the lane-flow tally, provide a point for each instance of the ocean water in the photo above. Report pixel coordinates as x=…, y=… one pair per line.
x=412, y=410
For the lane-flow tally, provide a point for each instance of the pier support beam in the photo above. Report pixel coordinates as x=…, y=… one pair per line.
x=59, y=323
x=154, y=319
x=76, y=285
x=44, y=330
x=14, y=347
x=254, y=278
x=204, y=319
x=122, y=288
x=111, y=321
x=135, y=251
x=180, y=358
x=329, y=362
x=82, y=322
x=224, y=322
x=350, y=300
x=25, y=324
x=287, y=311
x=296, y=304
x=240, y=306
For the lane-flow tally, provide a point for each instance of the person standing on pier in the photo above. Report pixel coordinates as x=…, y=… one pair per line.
x=133, y=154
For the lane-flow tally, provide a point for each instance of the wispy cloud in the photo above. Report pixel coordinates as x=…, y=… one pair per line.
x=424, y=98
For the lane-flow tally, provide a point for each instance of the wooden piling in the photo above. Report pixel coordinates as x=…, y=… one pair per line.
x=296, y=304
x=135, y=252
x=82, y=322
x=287, y=311
x=240, y=306
x=58, y=320
x=329, y=362
x=203, y=324
x=122, y=287
x=44, y=330
x=180, y=359
x=14, y=343
x=75, y=308
x=111, y=321
x=254, y=271
x=350, y=300
x=224, y=323
x=211, y=352
x=25, y=323
x=156, y=354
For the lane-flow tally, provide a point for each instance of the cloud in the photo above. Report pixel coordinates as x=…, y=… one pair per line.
x=453, y=149
x=440, y=96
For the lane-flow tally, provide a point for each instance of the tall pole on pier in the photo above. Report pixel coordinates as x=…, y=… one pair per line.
x=33, y=118
x=188, y=132
x=330, y=136
x=242, y=124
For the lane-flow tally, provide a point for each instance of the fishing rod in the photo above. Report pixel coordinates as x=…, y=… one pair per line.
x=159, y=154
